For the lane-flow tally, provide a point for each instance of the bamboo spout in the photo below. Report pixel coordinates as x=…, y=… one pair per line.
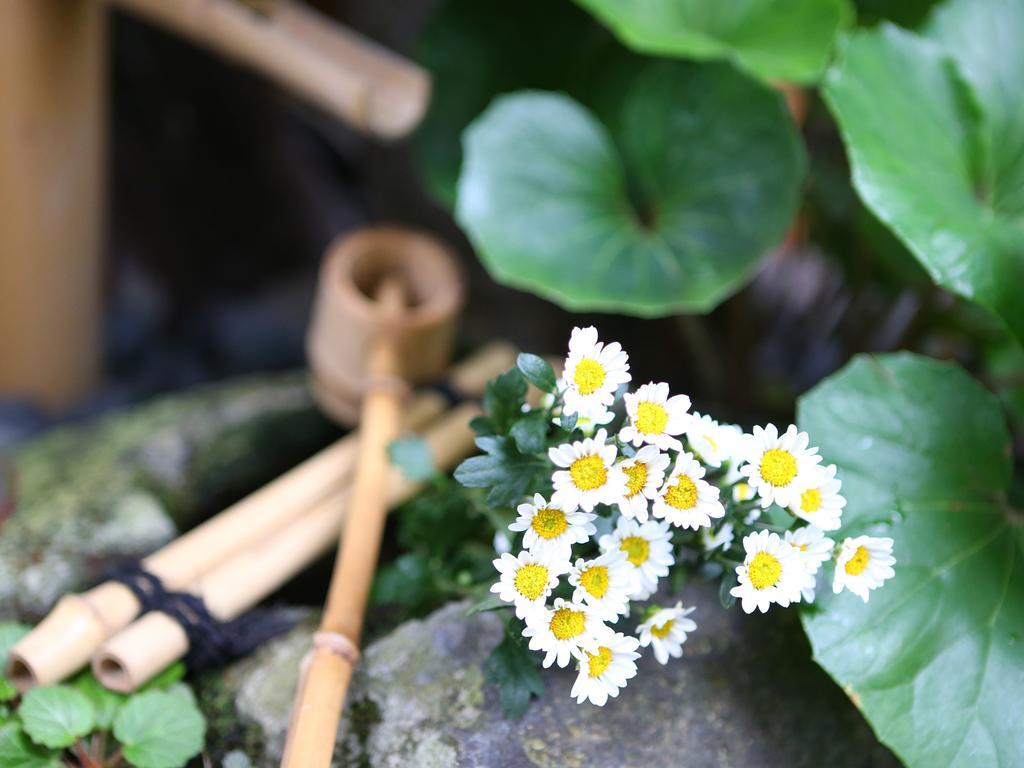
x=352, y=78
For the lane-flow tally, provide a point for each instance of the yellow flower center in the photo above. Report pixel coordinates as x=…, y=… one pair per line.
x=588, y=376
x=636, y=478
x=810, y=500
x=595, y=580
x=682, y=495
x=855, y=565
x=549, y=523
x=598, y=662
x=566, y=623
x=637, y=549
x=778, y=467
x=764, y=571
x=588, y=472
x=531, y=581
x=662, y=631
x=650, y=419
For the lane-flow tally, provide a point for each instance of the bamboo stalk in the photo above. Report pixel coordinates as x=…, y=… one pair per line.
x=139, y=652
x=52, y=104
x=327, y=671
x=79, y=624
x=352, y=78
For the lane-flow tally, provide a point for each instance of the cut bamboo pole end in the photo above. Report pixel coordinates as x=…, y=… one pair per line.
x=352, y=78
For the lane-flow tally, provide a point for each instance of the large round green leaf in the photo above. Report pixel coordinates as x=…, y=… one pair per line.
x=939, y=159
x=671, y=211
x=476, y=49
x=936, y=658
x=785, y=39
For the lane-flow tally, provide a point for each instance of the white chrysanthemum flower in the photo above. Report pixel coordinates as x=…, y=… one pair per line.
x=864, y=563
x=666, y=632
x=605, y=667
x=604, y=584
x=648, y=548
x=723, y=537
x=589, y=477
x=561, y=631
x=772, y=572
x=712, y=443
x=820, y=504
x=549, y=530
x=593, y=372
x=742, y=492
x=814, y=548
x=654, y=417
x=687, y=500
x=779, y=467
x=645, y=474
x=526, y=580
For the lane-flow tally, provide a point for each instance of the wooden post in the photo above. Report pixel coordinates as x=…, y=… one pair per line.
x=52, y=86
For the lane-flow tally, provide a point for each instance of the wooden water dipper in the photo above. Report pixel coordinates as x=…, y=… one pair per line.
x=398, y=348
x=79, y=624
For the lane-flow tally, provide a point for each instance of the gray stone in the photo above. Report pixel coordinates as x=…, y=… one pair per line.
x=745, y=694
x=82, y=496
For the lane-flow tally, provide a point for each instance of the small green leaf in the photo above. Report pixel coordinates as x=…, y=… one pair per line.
x=160, y=729
x=7, y=689
x=728, y=582
x=505, y=471
x=779, y=517
x=567, y=421
x=167, y=678
x=531, y=431
x=105, y=703
x=772, y=39
x=16, y=751
x=489, y=603
x=56, y=715
x=513, y=668
x=668, y=206
x=537, y=371
x=934, y=658
x=504, y=399
x=935, y=148
x=406, y=581
x=412, y=455
x=10, y=633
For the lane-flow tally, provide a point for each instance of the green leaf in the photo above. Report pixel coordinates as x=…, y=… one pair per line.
x=725, y=596
x=474, y=50
x=513, y=669
x=669, y=212
x=7, y=689
x=537, y=371
x=489, y=603
x=160, y=729
x=412, y=455
x=934, y=658
x=56, y=715
x=937, y=160
x=16, y=751
x=531, y=431
x=105, y=703
x=507, y=473
x=10, y=633
x=407, y=581
x=771, y=39
x=504, y=398
x=167, y=678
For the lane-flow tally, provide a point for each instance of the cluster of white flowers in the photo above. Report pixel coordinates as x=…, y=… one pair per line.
x=650, y=487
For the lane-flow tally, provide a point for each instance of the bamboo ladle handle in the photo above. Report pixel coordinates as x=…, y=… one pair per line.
x=327, y=669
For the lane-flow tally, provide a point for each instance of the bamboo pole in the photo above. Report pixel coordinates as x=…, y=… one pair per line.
x=138, y=653
x=350, y=77
x=52, y=99
x=327, y=670
x=79, y=624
